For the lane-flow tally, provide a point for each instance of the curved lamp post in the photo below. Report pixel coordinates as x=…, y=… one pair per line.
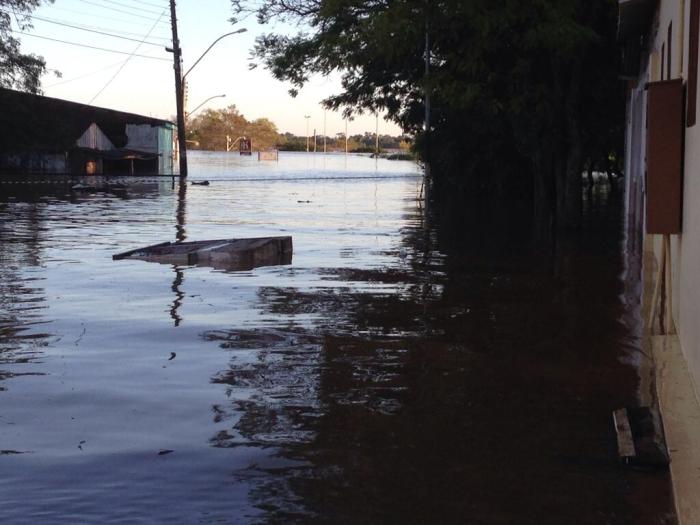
x=180, y=84
x=241, y=30
x=189, y=114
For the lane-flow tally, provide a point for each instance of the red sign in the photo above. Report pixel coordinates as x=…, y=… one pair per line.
x=246, y=146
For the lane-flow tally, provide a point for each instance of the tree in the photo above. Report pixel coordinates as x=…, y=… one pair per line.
x=18, y=70
x=210, y=128
x=520, y=89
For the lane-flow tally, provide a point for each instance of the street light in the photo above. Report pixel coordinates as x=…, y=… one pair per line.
x=207, y=100
x=179, y=84
x=241, y=30
x=307, y=117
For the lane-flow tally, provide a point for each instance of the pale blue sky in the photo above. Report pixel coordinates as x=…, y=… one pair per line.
x=146, y=86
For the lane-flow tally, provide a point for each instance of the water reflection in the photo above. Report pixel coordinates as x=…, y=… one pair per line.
x=22, y=298
x=416, y=364
x=472, y=381
x=180, y=236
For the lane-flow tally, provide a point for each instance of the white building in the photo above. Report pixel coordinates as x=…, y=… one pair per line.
x=660, y=39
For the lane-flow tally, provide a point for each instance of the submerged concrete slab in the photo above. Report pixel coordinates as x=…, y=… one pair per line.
x=681, y=415
x=225, y=254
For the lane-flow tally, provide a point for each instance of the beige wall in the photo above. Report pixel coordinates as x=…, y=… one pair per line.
x=685, y=248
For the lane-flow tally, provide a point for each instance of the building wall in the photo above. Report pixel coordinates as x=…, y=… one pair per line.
x=685, y=248
x=165, y=150
x=36, y=163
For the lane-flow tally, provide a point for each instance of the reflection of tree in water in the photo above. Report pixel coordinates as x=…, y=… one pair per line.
x=22, y=300
x=474, y=383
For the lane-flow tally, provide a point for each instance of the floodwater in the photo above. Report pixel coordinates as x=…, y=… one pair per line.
x=414, y=364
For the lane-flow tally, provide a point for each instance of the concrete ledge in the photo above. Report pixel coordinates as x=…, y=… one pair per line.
x=680, y=410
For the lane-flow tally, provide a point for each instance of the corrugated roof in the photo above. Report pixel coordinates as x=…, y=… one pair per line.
x=33, y=122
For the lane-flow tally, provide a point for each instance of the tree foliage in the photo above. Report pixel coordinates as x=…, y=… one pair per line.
x=18, y=70
x=210, y=128
x=523, y=93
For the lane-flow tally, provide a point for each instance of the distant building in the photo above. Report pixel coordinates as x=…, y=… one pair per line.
x=42, y=135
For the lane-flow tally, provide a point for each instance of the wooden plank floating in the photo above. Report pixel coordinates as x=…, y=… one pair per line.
x=640, y=437
x=225, y=254
x=625, y=440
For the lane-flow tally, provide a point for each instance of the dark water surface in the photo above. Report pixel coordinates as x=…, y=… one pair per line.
x=413, y=364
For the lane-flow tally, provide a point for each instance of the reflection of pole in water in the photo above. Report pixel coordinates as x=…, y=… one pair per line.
x=179, y=295
x=181, y=213
x=180, y=236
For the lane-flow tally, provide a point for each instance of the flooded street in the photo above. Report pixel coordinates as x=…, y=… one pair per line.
x=414, y=364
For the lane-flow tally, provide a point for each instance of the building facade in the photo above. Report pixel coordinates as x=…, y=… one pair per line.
x=42, y=135
x=660, y=41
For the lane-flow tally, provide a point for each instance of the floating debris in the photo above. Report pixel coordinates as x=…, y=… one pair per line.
x=227, y=254
x=640, y=437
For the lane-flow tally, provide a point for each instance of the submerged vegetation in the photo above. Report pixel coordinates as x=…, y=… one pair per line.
x=524, y=94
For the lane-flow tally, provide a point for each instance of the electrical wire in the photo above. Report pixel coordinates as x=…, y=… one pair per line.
x=84, y=75
x=89, y=46
x=129, y=58
x=96, y=31
x=118, y=10
x=161, y=6
x=101, y=16
x=126, y=6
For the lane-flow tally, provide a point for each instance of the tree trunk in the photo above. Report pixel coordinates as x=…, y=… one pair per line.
x=572, y=176
x=543, y=197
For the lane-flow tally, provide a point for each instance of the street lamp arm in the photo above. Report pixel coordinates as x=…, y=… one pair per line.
x=242, y=30
x=207, y=100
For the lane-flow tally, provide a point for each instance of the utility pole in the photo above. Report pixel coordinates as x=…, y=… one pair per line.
x=307, y=117
x=314, y=140
x=346, y=136
x=179, y=93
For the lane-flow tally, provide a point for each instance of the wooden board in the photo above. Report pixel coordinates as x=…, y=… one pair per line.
x=228, y=254
x=664, y=187
x=625, y=440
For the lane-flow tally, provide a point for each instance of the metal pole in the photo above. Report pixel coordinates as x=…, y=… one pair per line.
x=376, y=137
x=427, y=101
x=346, y=136
x=179, y=93
x=242, y=30
x=324, y=131
x=307, y=117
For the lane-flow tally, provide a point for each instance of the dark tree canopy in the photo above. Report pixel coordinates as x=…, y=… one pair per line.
x=18, y=70
x=524, y=94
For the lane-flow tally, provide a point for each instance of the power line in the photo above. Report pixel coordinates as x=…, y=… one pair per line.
x=118, y=10
x=162, y=6
x=126, y=6
x=89, y=46
x=83, y=76
x=127, y=60
x=95, y=31
x=102, y=17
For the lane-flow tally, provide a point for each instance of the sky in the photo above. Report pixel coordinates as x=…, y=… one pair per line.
x=145, y=84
